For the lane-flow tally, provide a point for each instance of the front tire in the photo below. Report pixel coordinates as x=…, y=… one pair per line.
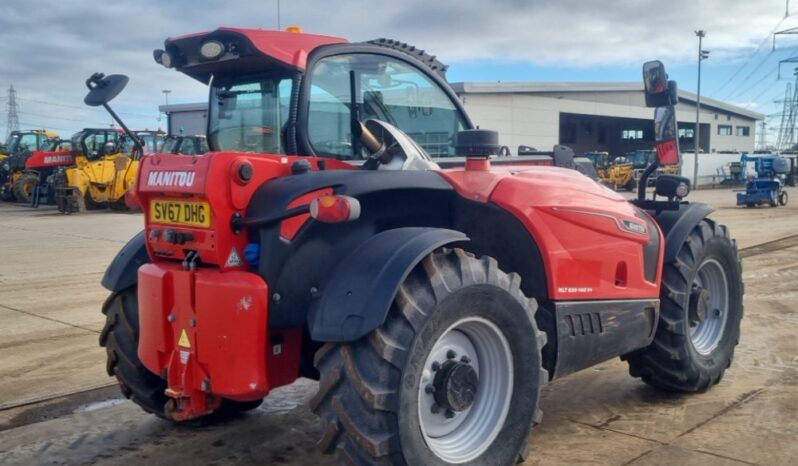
x=24, y=186
x=452, y=377
x=700, y=311
x=783, y=198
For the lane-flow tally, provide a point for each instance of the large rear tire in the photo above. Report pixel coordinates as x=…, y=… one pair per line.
x=453, y=376
x=700, y=312
x=120, y=337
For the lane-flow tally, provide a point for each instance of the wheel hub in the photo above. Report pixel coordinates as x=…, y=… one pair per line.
x=455, y=385
x=700, y=303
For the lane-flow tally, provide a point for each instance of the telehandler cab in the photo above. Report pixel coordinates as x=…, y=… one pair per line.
x=317, y=238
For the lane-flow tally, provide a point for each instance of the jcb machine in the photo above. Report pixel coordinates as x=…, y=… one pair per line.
x=104, y=171
x=317, y=239
x=19, y=146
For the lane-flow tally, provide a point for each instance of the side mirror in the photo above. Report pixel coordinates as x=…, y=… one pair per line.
x=658, y=90
x=665, y=136
x=103, y=89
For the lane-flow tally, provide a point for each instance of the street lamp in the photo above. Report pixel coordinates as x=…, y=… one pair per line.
x=702, y=55
x=166, y=93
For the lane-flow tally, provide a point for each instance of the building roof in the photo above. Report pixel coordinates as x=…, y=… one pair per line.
x=191, y=107
x=562, y=87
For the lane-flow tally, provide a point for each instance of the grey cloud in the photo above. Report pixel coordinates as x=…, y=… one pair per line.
x=49, y=47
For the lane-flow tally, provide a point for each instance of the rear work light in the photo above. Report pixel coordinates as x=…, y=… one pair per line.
x=335, y=209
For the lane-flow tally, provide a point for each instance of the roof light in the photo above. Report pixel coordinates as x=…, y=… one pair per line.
x=335, y=209
x=163, y=57
x=293, y=29
x=212, y=50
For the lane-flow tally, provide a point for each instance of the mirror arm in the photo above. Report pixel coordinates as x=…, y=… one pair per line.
x=642, y=184
x=135, y=139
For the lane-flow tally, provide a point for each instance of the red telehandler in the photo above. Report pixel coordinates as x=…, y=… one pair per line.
x=318, y=239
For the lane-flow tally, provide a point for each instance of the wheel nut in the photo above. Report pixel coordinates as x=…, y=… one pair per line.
x=465, y=360
x=449, y=414
x=717, y=312
x=429, y=389
x=451, y=354
x=436, y=365
x=435, y=409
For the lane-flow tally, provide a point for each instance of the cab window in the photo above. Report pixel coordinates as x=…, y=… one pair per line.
x=250, y=115
x=386, y=89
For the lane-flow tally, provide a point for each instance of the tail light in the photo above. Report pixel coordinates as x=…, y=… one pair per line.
x=335, y=209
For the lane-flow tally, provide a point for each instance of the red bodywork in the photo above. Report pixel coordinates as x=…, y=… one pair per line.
x=48, y=159
x=206, y=328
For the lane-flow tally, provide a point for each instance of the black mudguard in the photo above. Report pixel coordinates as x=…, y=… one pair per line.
x=676, y=225
x=123, y=271
x=358, y=295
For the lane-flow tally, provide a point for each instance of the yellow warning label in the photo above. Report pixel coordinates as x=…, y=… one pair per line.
x=183, y=341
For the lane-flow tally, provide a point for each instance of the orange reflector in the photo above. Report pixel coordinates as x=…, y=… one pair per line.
x=293, y=29
x=335, y=209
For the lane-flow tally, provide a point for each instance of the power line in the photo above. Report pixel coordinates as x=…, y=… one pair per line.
x=751, y=87
x=748, y=60
x=63, y=118
x=55, y=104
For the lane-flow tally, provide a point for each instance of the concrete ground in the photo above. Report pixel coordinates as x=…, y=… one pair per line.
x=58, y=406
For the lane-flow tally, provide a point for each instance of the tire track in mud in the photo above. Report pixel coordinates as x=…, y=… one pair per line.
x=770, y=246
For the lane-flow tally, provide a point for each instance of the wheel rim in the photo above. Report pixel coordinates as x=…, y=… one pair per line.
x=470, y=345
x=706, y=334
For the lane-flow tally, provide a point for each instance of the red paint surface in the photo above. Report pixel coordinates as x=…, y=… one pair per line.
x=44, y=159
x=291, y=48
x=575, y=223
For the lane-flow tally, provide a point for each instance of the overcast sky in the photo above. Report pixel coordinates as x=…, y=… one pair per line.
x=49, y=47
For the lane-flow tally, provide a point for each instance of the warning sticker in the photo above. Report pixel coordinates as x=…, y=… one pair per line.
x=233, y=260
x=184, y=341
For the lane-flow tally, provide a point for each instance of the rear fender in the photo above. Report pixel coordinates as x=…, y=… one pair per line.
x=123, y=271
x=676, y=225
x=357, y=298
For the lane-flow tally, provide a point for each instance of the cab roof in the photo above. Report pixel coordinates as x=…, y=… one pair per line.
x=246, y=51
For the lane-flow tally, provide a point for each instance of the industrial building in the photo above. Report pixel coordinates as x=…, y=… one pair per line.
x=610, y=117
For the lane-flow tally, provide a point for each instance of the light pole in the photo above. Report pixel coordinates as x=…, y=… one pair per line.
x=702, y=55
x=166, y=93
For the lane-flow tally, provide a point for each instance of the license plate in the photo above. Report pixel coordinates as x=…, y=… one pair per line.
x=195, y=214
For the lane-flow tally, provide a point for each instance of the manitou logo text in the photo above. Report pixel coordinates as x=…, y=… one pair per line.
x=51, y=159
x=171, y=179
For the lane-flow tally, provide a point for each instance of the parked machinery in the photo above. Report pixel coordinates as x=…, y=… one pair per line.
x=767, y=187
x=102, y=172
x=19, y=146
x=37, y=183
x=186, y=145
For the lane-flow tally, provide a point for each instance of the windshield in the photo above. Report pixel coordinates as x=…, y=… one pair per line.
x=250, y=115
x=386, y=89
x=19, y=143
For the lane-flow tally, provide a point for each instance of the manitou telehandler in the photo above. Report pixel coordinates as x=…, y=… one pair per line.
x=36, y=184
x=318, y=239
x=19, y=146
